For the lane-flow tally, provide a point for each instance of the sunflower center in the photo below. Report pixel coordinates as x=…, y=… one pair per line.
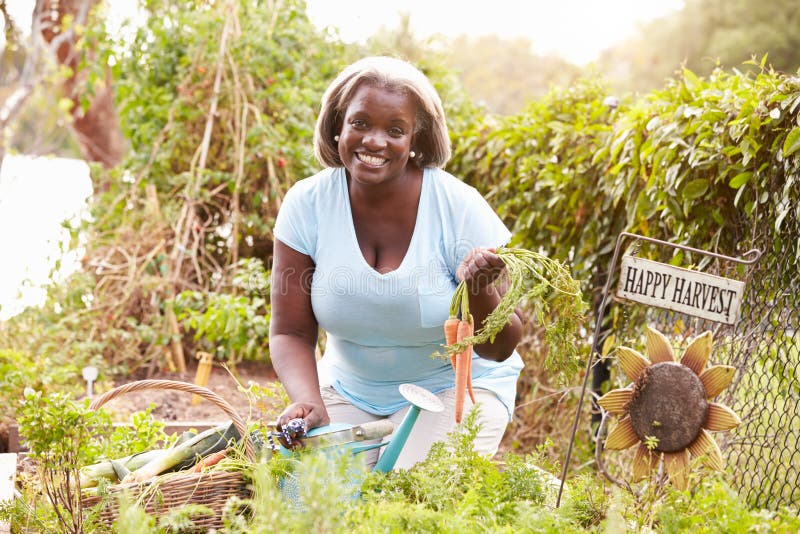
x=669, y=404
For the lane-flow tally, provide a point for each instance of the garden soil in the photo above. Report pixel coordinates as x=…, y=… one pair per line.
x=176, y=406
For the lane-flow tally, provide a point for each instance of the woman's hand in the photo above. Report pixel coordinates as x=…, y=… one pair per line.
x=312, y=413
x=480, y=269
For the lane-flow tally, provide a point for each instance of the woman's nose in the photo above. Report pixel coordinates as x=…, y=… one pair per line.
x=374, y=141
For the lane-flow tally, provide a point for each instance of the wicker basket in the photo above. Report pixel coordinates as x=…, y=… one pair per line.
x=212, y=489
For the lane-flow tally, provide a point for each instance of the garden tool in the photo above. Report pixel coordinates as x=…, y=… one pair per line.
x=353, y=436
x=335, y=436
x=420, y=399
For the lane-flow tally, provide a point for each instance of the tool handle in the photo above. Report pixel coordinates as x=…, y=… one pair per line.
x=374, y=429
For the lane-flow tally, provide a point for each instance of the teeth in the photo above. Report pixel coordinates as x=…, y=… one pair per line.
x=371, y=160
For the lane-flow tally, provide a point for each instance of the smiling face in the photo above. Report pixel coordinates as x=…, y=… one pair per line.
x=377, y=134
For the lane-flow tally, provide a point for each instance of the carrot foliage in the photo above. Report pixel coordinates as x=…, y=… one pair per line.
x=545, y=288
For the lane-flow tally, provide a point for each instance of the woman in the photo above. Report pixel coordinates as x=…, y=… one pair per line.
x=371, y=250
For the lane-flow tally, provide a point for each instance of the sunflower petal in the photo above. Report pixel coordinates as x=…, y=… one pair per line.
x=632, y=362
x=720, y=417
x=622, y=435
x=716, y=379
x=696, y=355
x=658, y=347
x=706, y=446
x=616, y=400
x=676, y=464
x=645, y=462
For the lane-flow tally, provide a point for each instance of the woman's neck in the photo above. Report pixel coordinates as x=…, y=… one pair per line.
x=386, y=193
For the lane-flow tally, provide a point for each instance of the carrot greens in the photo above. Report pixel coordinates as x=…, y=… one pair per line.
x=546, y=287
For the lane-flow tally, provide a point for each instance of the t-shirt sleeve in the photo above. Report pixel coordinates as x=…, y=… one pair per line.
x=477, y=226
x=296, y=224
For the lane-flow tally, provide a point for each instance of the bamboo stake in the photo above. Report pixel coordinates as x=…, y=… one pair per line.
x=203, y=373
x=241, y=128
x=183, y=230
x=153, y=207
x=176, y=353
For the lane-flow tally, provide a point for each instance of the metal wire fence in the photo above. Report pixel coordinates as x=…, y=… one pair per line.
x=763, y=452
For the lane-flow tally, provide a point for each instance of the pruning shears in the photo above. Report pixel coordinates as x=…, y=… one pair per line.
x=354, y=436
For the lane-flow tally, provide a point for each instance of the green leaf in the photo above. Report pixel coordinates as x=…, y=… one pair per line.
x=740, y=179
x=783, y=211
x=690, y=79
x=792, y=142
x=695, y=189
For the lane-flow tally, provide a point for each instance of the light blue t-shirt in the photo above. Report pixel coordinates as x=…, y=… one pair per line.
x=383, y=328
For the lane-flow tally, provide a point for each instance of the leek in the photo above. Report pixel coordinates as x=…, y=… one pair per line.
x=187, y=453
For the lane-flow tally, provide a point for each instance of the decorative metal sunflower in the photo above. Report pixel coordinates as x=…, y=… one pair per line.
x=667, y=410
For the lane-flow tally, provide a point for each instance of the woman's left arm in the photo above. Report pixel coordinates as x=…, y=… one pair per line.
x=480, y=270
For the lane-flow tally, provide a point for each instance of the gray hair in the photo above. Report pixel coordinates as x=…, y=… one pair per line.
x=431, y=141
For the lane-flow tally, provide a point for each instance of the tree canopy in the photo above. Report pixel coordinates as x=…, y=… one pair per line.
x=706, y=34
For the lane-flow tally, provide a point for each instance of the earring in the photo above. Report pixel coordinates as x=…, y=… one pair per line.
x=336, y=138
x=412, y=154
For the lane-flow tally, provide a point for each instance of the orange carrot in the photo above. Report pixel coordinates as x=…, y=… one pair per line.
x=463, y=366
x=451, y=334
x=208, y=461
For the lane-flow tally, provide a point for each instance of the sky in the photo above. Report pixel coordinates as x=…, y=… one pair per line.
x=577, y=30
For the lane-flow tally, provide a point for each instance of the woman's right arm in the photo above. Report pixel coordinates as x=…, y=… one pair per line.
x=293, y=336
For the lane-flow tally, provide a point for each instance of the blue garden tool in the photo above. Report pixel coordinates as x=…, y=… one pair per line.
x=335, y=436
x=420, y=399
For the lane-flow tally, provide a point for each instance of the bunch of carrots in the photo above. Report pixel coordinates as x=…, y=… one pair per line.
x=550, y=290
x=456, y=331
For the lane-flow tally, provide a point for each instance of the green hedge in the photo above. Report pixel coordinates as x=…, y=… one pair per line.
x=711, y=162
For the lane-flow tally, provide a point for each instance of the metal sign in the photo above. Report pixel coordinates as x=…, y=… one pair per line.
x=682, y=290
x=696, y=293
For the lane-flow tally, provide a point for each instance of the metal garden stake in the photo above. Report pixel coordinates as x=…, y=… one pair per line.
x=90, y=375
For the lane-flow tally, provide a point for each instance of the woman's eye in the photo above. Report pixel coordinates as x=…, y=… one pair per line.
x=358, y=123
x=396, y=132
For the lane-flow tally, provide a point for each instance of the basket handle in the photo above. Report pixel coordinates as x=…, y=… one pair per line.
x=205, y=393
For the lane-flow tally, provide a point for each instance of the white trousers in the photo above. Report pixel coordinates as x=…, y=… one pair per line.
x=430, y=427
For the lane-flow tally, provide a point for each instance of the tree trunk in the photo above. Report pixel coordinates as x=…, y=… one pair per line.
x=96, y=127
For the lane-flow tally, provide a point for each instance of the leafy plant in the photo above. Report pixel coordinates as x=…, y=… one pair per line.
x=133, y=519
x=143, y=433
x=715, y=507
x=454, y=489
x=63, y=435
x=59, y=434
x=265, y=400
x=22, y=370
x=234, y=326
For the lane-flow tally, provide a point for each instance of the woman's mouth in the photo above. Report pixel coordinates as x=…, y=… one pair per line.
x=374, y=161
